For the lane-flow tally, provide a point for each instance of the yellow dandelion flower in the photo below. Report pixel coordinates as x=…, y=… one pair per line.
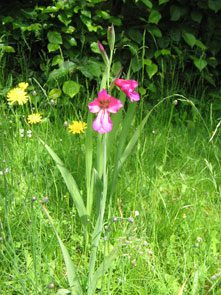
x=23, y=85
x=34, y=118
x=77, y=127
x=17, y=95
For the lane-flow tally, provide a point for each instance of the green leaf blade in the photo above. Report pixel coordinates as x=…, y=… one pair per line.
x=154, y=17
x=70, y=267
x=70, y=183
x=54, y=37
x=71, y=88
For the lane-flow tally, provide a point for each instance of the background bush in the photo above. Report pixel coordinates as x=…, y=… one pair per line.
x=178, y=41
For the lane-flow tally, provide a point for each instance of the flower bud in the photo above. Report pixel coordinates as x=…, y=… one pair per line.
x=101, y=47
x=103, y=52
x=111, y=37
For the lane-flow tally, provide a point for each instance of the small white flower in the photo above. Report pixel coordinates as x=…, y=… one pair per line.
x=66, y=124
x=136, y=213
x=199, y=239
x=29, y=133
x=7, y=170
x=145, y=243
x=215, y=276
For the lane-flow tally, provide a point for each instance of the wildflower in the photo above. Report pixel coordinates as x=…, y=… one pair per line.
x=136, y=213
x=115, y=219
x=77, y=127
x=18, y=95
x=7, y=170
x=29, y=133
x=128, y=86
x=103, y=106
x=199, y=239
x=51, y=286
x=34, y=118
x=52, y=102
x=21, y=131
x=23, y=85
x=215, y=276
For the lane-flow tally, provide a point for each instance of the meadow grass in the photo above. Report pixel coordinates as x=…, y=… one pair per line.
x=169, y=189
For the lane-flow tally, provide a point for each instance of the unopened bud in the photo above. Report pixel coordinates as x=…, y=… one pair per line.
x=111, y=37
x=103, y=52
x=130, y=219
x=100, y=46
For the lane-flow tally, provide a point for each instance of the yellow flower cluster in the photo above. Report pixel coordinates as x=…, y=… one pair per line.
x=34, y=118
x=18, y=94
x=77, y=127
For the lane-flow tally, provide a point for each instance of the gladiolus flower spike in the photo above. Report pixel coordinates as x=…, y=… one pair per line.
x=128, y=86
x=103, y=105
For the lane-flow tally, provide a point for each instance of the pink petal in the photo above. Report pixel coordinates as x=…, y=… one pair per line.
x=94, y=106
x=103, y=123
x=103, y=95
x=128, y=86
x=114, y=105
x=126, y=83
x=134, y=96
x=119, y=82
x=134, y=83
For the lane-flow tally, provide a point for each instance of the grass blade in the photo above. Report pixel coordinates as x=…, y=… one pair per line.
x=181, y=289
x=88, y=164
x=70, y=267
x=103, y=268
x=121, y=145
x=70, y=183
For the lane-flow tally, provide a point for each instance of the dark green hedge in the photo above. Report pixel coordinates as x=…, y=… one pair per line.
x=158, y=39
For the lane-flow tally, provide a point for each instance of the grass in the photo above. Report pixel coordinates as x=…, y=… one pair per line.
x=173, y=180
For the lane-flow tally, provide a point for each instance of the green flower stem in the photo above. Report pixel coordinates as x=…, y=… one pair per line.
x=99, y=224
x=109, y=69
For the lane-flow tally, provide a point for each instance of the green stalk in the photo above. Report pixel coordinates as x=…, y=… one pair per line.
x=88, y=165
x=109, y=69
x=99, y=224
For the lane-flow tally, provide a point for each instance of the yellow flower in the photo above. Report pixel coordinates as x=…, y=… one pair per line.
x=23, y=85
x=77, y=127
x=17, y=95
x=34, y=118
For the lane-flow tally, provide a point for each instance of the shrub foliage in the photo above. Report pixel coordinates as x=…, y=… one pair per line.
x=57, y=40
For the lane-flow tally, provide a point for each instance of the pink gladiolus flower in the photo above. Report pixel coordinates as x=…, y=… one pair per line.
x=103, y=106
x=128, y=86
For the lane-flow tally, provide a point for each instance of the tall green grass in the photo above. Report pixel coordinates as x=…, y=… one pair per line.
x=172, y=179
